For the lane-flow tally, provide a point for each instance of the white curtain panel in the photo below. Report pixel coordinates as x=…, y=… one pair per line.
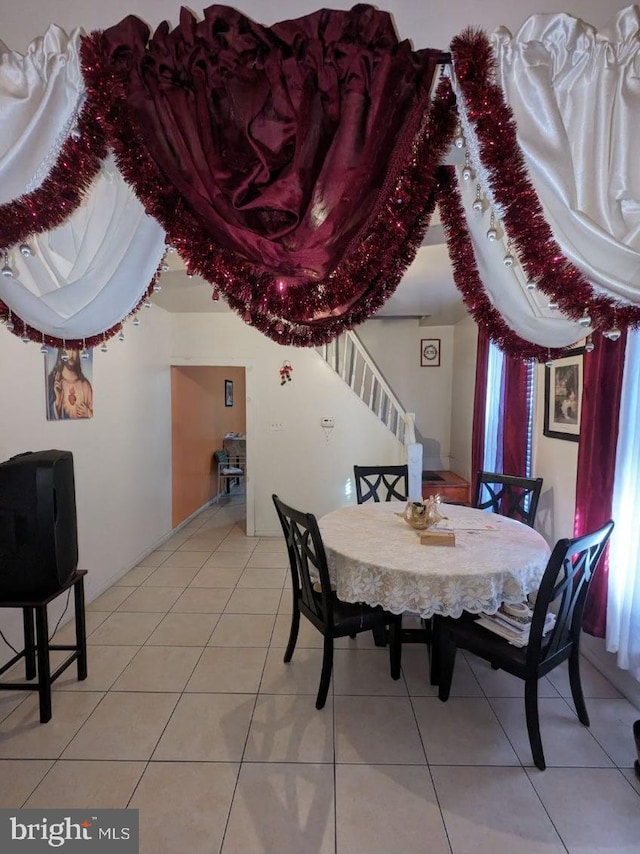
x=525, y=311
x=575, y=96
x=41, y=92
x=86, y=276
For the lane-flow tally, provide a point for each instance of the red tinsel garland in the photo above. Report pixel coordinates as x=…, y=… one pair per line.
x=62, y=190
x=521, y=210
x=467, y=277
x=374, y=267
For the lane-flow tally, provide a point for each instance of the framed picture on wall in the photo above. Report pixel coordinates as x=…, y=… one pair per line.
x=430, y=353
x=563, y=396
x=68, y=384
x=228, y=392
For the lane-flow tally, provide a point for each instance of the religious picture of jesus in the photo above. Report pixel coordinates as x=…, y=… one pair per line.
x=69, y=390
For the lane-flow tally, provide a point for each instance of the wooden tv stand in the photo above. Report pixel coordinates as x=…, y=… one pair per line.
x=449, y=485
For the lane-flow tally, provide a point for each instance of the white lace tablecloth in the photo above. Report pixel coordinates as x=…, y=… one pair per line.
x=375, y=557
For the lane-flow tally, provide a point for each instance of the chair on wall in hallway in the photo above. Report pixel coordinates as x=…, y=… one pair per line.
x=227, y=472
x=381, y=483
x=516, y=497
x=314, y=598
x=551, y=639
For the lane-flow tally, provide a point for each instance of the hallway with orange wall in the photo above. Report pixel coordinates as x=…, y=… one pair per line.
x=199, y=422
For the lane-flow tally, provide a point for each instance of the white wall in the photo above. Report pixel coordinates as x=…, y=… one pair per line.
x=394, y=345
x=121, y=456
x=427, y=24
x=462, y=395
x=297, y=461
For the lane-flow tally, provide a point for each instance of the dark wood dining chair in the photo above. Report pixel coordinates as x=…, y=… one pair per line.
x=563, y=590
x=381, y=483
x=314, y=598
x=516, y=497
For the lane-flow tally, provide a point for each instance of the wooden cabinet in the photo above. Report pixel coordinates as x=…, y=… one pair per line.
x=449, y=485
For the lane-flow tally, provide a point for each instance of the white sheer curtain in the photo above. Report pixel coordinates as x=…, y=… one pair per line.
x=41, y=92
x=86, y=276
x=575, y=96
x=623, y=600
x=492, y=443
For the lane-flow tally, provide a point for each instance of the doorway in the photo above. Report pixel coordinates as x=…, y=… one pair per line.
x=207, y=404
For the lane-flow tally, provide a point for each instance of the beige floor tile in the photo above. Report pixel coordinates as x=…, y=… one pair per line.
x=159, y=668
x=74, y=784
x=287, y=728
x=155, y=558
x=217, y=576
x=251, y=601
x=201, y=543
x=124, y=726
x=136, y=576
x=385, y=808
x=175, y=541
x=308, y=635
x=202, y=600
x=286, y=602
x=300, y=676
x=151, y=599
x=377, y=730
x=284, y=808
x=273, y=559
x=237, y=545
x=192, y=560
x=493, y=811
x=104, y=665
x=365, y=671
x=594, y=684
x=22, y=736
x=565, y=740
x=67, y=632
x=611, y=724
x=632, y=777
x=110, y=599
x=259, y=577
x=184, y=806
x=228, y=670
x=594, y=810
x=272, y=544
x=243, y=630
x=18, y=779
x=10, y=700
x=207, y=728
x=227, y=558
x=121, y=628
x=498, y=683
x=171, y=576
x=177, y=629
x=462, y=731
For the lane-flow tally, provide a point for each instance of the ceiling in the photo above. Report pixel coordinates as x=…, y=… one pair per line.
x=426, y=292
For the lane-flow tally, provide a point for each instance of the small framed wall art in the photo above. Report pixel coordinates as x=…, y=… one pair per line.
x=563, y=396
x=228, y=392
x=430, y=353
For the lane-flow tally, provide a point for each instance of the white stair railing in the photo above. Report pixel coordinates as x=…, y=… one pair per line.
x=353, y=364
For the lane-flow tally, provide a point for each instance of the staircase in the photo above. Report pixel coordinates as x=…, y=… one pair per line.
x=347, y=356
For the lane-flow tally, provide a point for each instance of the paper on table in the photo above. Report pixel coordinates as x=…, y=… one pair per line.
x=463, y=525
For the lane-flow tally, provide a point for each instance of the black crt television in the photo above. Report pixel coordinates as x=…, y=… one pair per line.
x=38, y=529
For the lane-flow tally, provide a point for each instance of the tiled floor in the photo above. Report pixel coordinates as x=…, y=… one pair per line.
x=190, y=716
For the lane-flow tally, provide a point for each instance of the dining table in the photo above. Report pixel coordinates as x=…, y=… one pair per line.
x=375, y=556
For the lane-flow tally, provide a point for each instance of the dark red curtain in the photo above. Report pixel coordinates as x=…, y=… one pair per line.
x=292, y=166
x=515, y=416
x=479, y=408
x=602, y=385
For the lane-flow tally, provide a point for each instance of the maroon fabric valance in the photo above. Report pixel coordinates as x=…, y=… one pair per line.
x=292, y=166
